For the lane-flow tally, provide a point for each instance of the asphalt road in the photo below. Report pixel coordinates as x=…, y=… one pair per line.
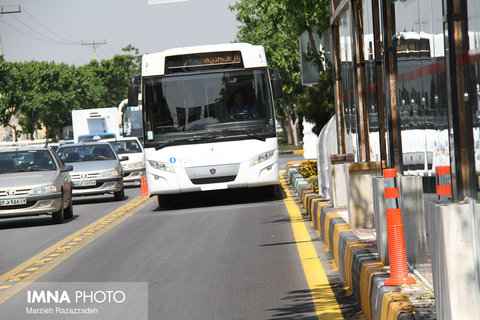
x=216, y=255
x=285, y=157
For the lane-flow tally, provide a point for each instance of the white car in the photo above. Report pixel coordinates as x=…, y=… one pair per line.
x=134, y=167
x=96, y=169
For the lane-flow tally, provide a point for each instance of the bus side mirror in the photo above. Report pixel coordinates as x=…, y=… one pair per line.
x=133, y=91
x=276, y=84
x=133, y=95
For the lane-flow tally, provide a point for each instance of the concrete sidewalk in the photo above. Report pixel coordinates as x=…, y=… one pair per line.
x=354, y=251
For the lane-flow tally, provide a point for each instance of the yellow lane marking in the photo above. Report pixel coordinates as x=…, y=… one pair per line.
x=39, y=265
x=326, y=306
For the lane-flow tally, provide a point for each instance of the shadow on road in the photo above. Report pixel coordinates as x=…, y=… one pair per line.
x=299, y=304
x=219, y=198
x=96, y=199
x=28, y=222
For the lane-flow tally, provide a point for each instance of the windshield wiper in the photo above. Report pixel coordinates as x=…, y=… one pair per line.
x=219, y=136
x=250, y=133
x=187, y=140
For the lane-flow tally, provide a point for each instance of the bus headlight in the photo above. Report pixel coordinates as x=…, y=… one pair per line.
x=262, y=157
x=161, y=166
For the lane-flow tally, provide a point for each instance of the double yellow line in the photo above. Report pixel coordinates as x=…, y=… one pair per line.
x=326, y=306
x=31, y=270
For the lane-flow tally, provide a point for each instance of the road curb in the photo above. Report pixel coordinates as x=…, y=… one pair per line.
x=291, y=152
x=355, y=254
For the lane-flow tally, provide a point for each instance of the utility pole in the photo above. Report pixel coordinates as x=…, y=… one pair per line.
x=2, y=12
x=94, y=46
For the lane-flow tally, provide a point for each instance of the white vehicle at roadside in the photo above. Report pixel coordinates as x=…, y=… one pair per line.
x=134, y=167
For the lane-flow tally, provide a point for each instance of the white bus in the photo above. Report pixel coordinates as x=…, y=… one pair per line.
x=193, y=141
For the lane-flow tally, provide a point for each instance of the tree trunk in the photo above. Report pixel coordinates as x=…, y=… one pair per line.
x=292, y=120
x=287, y=131
x=15, y=133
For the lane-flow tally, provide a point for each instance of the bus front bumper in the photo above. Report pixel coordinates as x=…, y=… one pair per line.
x=161, y=182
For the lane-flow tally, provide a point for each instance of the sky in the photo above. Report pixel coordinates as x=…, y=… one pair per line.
x=53, y=30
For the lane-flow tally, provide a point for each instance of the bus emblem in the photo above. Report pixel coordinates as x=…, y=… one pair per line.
x=212, y=171
x=173, y=160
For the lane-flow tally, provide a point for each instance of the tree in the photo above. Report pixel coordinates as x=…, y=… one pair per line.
x=277, y=25
x=56, y=97
x=315, y=96
x=109, y=79
x=10, y=102
x=44, y=93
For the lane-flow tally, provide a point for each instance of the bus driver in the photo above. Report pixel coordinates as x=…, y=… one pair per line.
x=241, y=110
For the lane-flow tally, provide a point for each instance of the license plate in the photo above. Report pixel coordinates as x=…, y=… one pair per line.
x=84, y=183
x=13, y=202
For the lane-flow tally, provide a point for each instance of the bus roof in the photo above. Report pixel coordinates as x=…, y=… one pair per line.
x=252, y=56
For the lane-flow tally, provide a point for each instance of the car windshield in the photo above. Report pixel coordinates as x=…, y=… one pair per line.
x=126, y=146
x=93, y=152
x=25, y=161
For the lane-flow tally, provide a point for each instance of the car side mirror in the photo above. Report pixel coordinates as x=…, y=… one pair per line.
x=123, y=158
x=67, y=168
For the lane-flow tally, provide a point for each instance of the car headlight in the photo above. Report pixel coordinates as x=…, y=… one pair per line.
x=132, y=165
x=262, y=157
x=161, y=166
x=43, y=190
x=110, y=173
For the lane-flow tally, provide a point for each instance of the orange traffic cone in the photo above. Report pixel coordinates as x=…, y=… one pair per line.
x=144, y=187
x=395, y=235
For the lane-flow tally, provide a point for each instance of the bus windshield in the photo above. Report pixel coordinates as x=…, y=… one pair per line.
x=196, y=107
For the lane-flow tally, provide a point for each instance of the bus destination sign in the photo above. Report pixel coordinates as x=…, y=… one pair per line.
x=203, y=61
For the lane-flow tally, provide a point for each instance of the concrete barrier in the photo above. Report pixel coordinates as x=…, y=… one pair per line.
x=354, y=251
x=360, y=197
x=455, y=259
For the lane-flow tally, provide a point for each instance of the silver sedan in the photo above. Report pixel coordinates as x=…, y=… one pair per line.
x=96, y=169
x=34, y=181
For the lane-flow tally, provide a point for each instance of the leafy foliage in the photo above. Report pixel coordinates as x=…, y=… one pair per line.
x=43, y=94
x=277, y=26
x=317, y=104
